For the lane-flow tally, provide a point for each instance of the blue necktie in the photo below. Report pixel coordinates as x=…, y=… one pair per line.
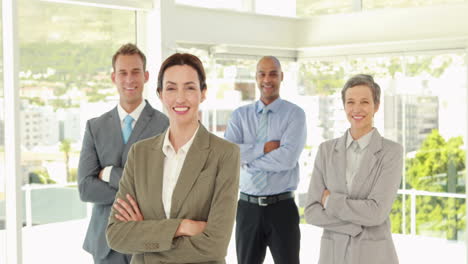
x=127, y=128
x=259, y=179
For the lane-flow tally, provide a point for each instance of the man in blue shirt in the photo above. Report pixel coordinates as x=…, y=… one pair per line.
x=271, y=134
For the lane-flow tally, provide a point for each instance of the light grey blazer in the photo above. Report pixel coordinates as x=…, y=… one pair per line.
x=356, y=224
x=103, y=146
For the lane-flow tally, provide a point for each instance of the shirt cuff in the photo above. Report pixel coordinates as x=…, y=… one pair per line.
x=258, y=150
x=106, y=173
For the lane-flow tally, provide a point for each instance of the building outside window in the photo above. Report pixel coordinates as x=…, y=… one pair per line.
x=64, y=81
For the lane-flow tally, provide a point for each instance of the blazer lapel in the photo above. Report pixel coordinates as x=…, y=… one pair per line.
x=193, y=164
x=115, y=124
x=339, y=164
x=155, y=179
x=369, y=160
x=140, y=126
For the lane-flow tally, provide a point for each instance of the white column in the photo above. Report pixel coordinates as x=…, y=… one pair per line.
x=158, y=42
x=248, y=6
x=357, y=5
x=148, y=40
x=168, y=20
x=12, y=147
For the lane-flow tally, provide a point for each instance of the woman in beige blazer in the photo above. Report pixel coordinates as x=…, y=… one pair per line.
x=354, y=183
x=177, y=198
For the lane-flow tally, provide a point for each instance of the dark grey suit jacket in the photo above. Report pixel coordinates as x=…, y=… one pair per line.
x=103, y=146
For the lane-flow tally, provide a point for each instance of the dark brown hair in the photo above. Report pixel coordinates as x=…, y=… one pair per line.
x=182, y=59
x=129, y=49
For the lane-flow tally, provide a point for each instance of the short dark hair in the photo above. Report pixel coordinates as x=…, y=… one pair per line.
x=182, y=59
x=362, y=79
x=129, y=49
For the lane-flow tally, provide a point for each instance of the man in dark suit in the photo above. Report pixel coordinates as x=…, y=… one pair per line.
x=106, y=142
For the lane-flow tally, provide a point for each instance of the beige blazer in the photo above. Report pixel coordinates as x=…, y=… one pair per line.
x=356, y=224
x=207, y=190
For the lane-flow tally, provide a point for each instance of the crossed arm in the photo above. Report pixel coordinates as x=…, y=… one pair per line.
x=130, y=211
x=273, y=156
x=90, y=184
x=346, y=215
x=314, y=212
x=176, y=240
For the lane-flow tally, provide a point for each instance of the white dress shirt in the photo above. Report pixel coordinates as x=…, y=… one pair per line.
x=122, y=114
x=173, y=163
x=354, y=158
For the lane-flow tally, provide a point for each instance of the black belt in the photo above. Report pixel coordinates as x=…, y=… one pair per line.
x=266, y=200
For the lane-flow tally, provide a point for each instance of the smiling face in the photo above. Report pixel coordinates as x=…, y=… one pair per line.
x=269, y=78
x=181, y=94
x=360, y=109
x=129, y=77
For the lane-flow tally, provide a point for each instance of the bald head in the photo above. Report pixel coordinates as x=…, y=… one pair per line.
x=270, y=59
x=269, y=78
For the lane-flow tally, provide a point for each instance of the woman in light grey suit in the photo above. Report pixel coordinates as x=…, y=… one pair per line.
x=177, y=198
x=354, y=184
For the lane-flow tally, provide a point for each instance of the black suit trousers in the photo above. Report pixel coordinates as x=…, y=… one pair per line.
x=275, y=226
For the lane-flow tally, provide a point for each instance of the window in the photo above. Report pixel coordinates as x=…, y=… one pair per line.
x=377, y=4
x=276, y=7
x=65, y=67
x=231, y=83
x=222, y=4
x=305, y=8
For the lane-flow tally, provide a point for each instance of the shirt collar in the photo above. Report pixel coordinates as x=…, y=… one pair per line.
x=135, y=114
x=272, y=107
x=168, y=149
x=363, y=142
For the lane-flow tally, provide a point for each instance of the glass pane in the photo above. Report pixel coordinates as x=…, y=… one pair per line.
x=225, y=4
x=430, y=113
x=233, y=84
x=322, y=81
x=306, y=8
x=441, y=217
x=398, y=217
x=276, y=7
x=375, y=4
x=64, y=81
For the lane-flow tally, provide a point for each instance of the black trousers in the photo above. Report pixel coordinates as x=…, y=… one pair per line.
x=275, y=226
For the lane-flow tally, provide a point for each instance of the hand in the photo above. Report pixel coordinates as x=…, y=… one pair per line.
x=325, y=194
x=100, y=174
x=128, y=212
x=270, y=146
x=190, y=228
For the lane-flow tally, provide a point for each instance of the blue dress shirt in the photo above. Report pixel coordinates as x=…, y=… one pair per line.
x=287, y=124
